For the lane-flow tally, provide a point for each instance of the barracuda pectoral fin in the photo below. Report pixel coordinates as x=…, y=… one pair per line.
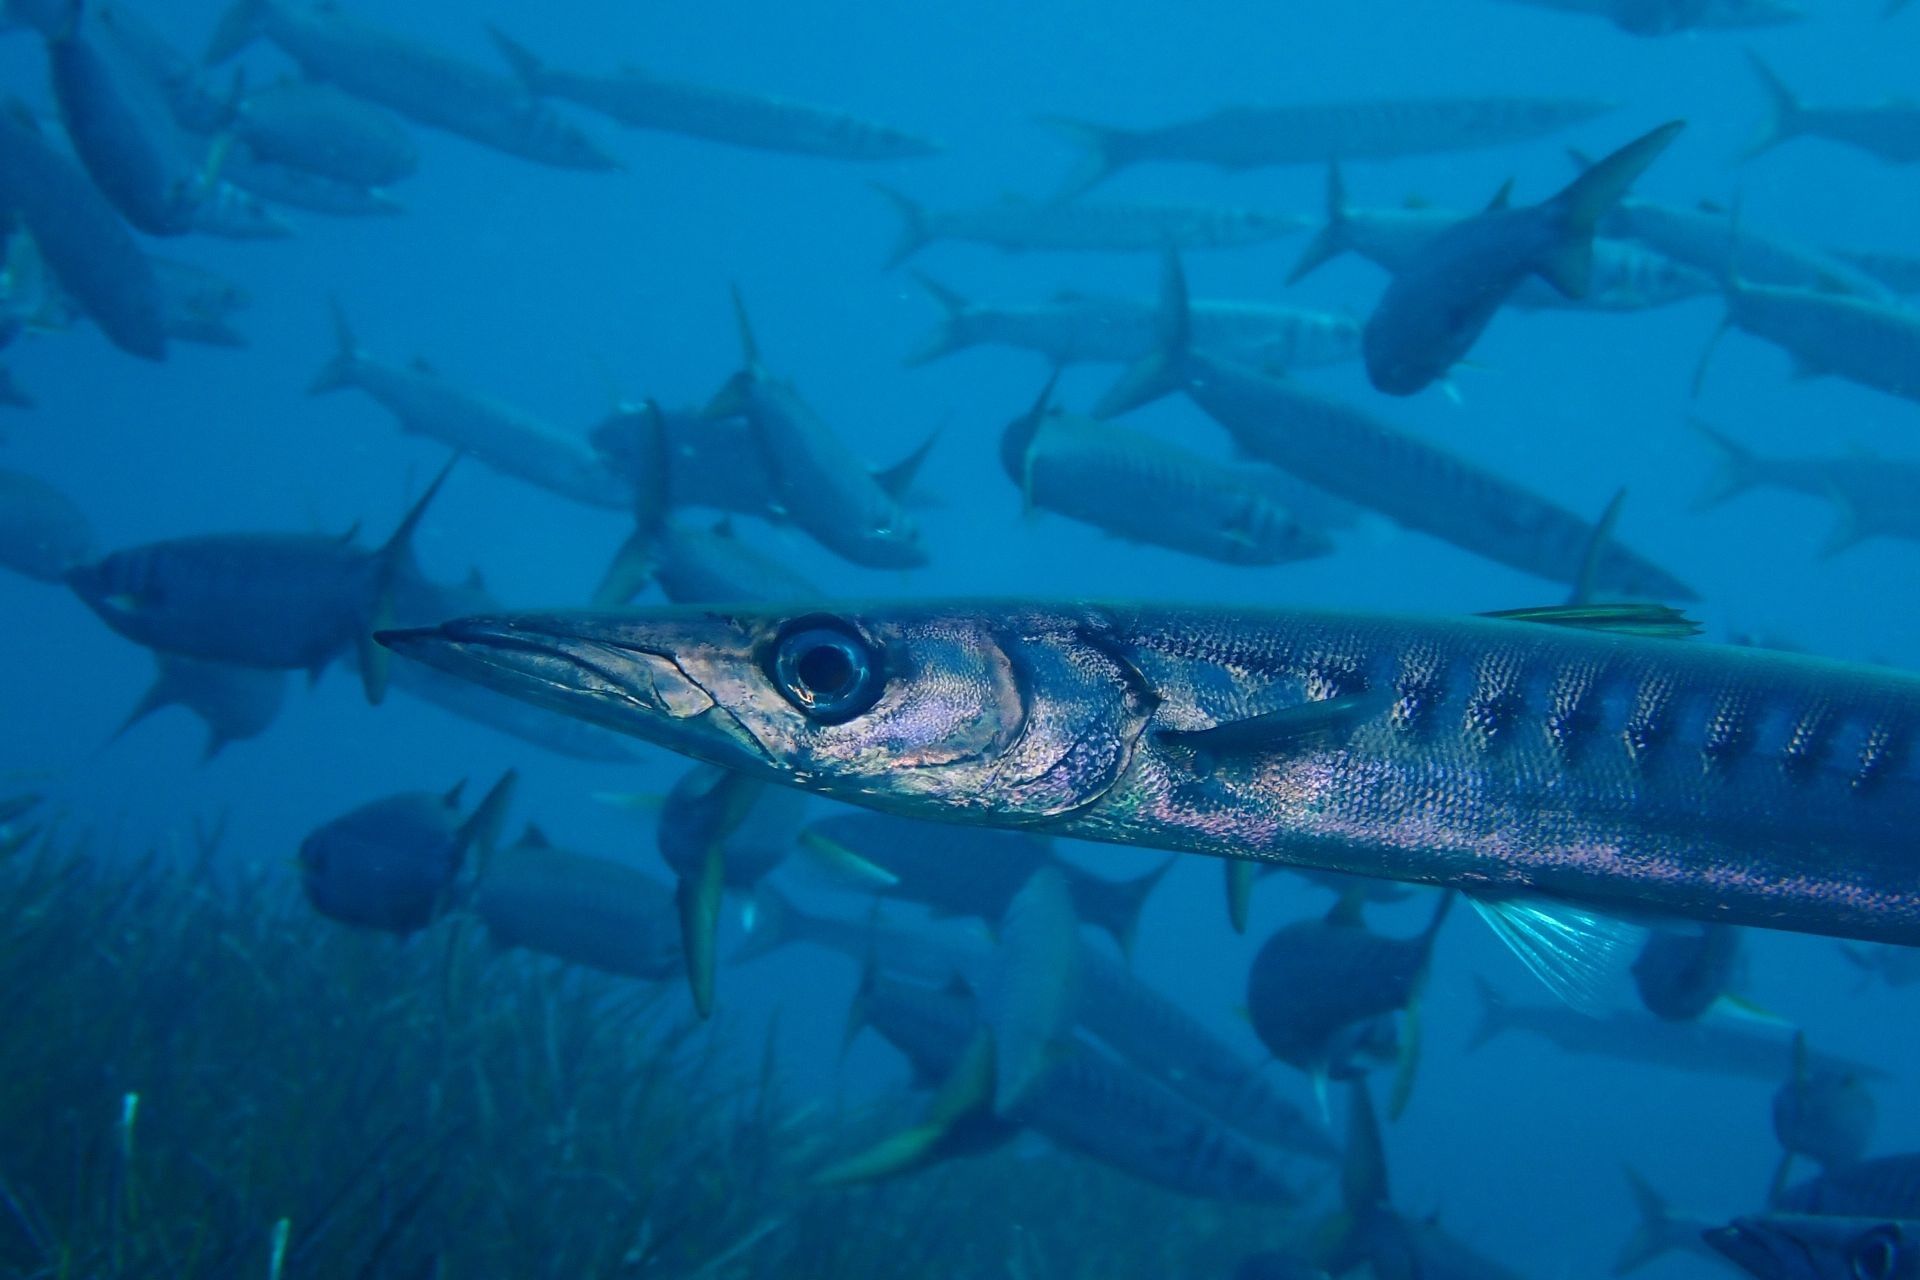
x=959, y=1122
x=1304, y=726
x=844, y=862
x=1241, y=873
x=697, y=899
x=1578, y=953
x=1658, y=621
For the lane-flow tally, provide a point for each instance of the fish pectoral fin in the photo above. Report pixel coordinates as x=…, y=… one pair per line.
x=1655, y=620
x=1578, y=953
x=1241, y=873
x=1303, y=726
x=837, y=858
x=1745, y=1009
x=964, y=1102
x=697, y=898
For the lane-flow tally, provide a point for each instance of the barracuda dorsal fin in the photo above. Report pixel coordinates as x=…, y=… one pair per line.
x=1305, y=725
x=838, y=858
x=1577, y=952
x=1655, y=620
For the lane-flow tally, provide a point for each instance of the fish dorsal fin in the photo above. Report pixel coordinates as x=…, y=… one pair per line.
x=451, y=796
x=1578, y=953
x=898, y=478
x=1502, y=199
x=1596, y=549
x=1303, y=726
x=1656, y=620
x=534, y=838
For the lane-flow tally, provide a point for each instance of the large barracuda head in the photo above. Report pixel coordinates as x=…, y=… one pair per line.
x=1011, y=713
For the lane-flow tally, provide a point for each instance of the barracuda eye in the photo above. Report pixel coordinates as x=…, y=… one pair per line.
x=827, y=669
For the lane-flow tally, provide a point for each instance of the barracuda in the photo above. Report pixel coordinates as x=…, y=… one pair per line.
x=1513, y=759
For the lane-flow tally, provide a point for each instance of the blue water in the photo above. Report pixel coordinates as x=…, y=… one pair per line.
x=558, y=291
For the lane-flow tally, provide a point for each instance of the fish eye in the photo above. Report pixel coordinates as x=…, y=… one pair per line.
x=827, y=669
x=1874, y=1255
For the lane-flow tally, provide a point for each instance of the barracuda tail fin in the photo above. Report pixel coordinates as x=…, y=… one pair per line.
x=950, y=336
x=337, y=372
x=1659, y=1231
x=1785, y=114
x=1165, y=370
x=1577, y=210
x=1115, y=905
x=1330, y=241
x=1740, y=468
x=914, y=234
x=481, y=830
x=1107, y=150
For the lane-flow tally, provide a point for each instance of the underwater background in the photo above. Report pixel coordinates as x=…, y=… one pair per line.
x=434, y=1105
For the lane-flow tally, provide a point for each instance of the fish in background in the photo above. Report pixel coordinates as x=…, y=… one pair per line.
x=588, y=911
x=1888, y=130
x=144, y=50
x=1016, y=224
x=43, y=533
x=392, y=863
x=1896, y=272
x=1659, y=1229
x=1861, y=339
x=1354, y=456
x=695, y=564
x=320, y=130
x=297, y=189
x=1682, y=974
x=1240, y=138
x=1670, y=17
x=424, y=84
x=1147, y=491
x=1745, y=1050
x=1896, y=966
x=1074, y=327
x=1878, y=1187
x=1320, y=992
x=708, y=462
x=720, y=831
x=495, y=434
x=641, y=100
x=818, y=483
x=1438, y=305
x=968, y=871
x=1113, y=1006
x=1085, y=1102
x=1819, y=1114
x=1785, y=1246
x=79, y=235
x=271, y=600
x=234, y=703
x=1874, y=496
x=1626, y=276
x=197, y=305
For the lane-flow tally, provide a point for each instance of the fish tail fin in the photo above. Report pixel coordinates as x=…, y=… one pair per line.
x=1493, y=1013
x=337, y=372
x=526, y=66
x=161, y=693
x=1785, y=114
x=1657, y=1232
x=1330, y=241
x=375, y=658
x=1115, y=905
x=1568, y=266
x=1107, y=150
x=1016, y=442
x=481, y=830
x=628, y=573
x=697, y=899
x=238, y=26
x=1739, y=469
x=950, y=336
x=1165, y=369
x=897, y=479
x=1849, y=526
x=913, y=235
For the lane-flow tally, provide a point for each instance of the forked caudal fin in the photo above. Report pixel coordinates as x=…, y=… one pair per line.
x=1330, y=241
x=1165, y=369
x=914, y=234
x=1107, y=149
x=1784, y=112
x=337, y=372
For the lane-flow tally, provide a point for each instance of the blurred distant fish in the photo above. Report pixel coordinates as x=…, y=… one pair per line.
x=272, y=600
x=422, y=83
x=1825, y=1116
x=1896, y=966
x=199, y=303
x=234, y=703
x=967, y=871
x=696, y=565
x=1669, y=17
x=642, y=100
x=391, y=864
x=43, y=534
x=298, y=189
x=1705, y=238
x=320, y=130
x=1681, y=974
x=583, y=910
x=1864, y=340
x=1626, y=277
x=711, y=462
x=1146, y=490
x=1356, y=457
x=1889, y=130
x=1238, y=138
x=1785, y=1246
x=818, y=483
x=1884, y=1186
x=1749, y=1050
x=1032, y=992
x=1875, y=496
x=171, y=73
x=496, y=434
x=1076, y=327
x=80, y=236
x=1438, y=305
x=1018, y=225
x=1898, y=272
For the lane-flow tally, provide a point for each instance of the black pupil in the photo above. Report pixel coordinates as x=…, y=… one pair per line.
x=826, y=670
